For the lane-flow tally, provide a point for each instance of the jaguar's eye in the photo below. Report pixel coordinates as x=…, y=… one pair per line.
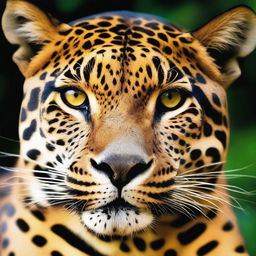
x=171, y=100
x=74, y=98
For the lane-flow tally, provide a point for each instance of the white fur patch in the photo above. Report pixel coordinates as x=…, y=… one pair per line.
x=116, y=222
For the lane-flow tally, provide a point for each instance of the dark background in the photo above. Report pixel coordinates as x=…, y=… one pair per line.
x=189, y=14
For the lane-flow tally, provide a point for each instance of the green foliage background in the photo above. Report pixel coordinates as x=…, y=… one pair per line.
x=189, y=14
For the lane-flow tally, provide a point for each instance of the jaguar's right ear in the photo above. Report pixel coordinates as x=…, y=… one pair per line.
x=31, y=29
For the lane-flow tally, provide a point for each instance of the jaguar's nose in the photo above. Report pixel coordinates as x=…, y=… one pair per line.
x=121, y=169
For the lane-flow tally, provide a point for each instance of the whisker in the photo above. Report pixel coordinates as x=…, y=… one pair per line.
x=28, y=159
x=203, y=166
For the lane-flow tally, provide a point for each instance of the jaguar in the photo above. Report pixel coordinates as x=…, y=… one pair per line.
x=124, y=133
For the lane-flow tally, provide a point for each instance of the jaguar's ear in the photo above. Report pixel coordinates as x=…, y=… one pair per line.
x=227, y=37
x=28, y=27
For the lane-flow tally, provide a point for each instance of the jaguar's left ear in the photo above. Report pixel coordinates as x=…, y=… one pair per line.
x=30, y=28
x=227, y=37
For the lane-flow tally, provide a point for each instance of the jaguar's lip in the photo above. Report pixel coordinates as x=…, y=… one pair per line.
x=119, y=204
x=116, y=218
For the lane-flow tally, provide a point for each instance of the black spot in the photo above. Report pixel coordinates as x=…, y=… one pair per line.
x=139, y=243
x=56, y=253
x=98, y=41
x=11, y=254
x=154, y=42
x=186, y=70
x=222, y=137
x=3, y=228
x=159, y=69
x=9, y=209
x=79, y=31
x=207, y=248
x=28, y=132
x=199, y=163
x=52, y=121
x=157, y=244
x=104, y=35
x=104, y=24
x=45, y=65
x=60, y=142
x=5, y=243
x=191, y=234
x=88, y=69
x=167, y=50
x=58, y=158
x=153, y=25
x=195, y=154
x=211, y=214
x=69, y=75
x=87, y=35
x=185, y=40
x=215, y=115
x=48, y=89
x=23, y=115
x=136, y=35
x=87, y=45
x=38, y=240
x=99, y=69
x=240, y=249
x=124, y=247
x=90, y=27
x=228, y=226
x=200, y=78
x=144, y=30
x=22, y=225
x=38, y=214
x=77, y=67
x=170, y=252
x=43, y=76
x=149, y=71
x=52, y=108
x=133, y=42
x=73, y=240
x=214, y=153
x=216, y=99
x=50, y=147
x=33, y=100
x=33, y=154
x=207, y=129
x=163, y=37
x=55, y=72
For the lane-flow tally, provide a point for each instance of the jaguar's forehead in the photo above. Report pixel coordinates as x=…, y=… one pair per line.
x=122, y=50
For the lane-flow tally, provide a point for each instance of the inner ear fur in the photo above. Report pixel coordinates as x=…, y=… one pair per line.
x=227, y=37
x=28, y=27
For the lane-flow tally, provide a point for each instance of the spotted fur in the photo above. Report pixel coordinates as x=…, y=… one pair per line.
x=123, y=174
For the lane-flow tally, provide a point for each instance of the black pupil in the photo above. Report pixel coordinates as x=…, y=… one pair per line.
x=170, y=95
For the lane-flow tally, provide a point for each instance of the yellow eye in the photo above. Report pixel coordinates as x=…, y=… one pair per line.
x=74, y=98
x=170, y=99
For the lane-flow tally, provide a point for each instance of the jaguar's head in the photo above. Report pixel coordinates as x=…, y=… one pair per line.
x=124, y=113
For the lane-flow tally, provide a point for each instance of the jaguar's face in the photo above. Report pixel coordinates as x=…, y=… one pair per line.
x=115, y=135
x=119, y=112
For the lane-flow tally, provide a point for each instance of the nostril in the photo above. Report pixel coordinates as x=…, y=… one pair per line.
x=103, y=167
x=121, y=174
x=138, y=169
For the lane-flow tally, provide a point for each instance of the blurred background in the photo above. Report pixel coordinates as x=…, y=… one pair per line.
x=187, y=13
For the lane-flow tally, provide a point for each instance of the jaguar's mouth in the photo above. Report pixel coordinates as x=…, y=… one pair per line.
x=117, y=218
x=118, y=204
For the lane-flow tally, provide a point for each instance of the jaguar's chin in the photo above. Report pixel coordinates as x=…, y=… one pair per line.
x=117, y=218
